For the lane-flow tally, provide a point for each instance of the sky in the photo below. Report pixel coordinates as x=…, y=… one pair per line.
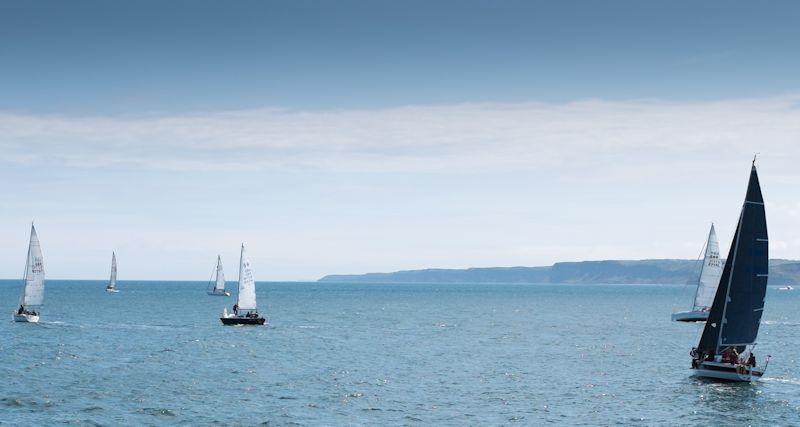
x=363, y=136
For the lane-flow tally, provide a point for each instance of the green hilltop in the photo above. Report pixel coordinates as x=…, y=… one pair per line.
x=662, y=271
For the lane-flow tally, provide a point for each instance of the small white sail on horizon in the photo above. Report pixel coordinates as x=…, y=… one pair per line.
x=112, y=281
x=707, y=282
x=33, y=288
x=219, y=282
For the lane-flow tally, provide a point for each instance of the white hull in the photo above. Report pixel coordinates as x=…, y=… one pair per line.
x=111, y=290
x=727, y=372
x=219, y=294
x=690, y=316
x=26, y=318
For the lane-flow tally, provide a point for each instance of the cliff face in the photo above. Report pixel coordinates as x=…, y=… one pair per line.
x=663, y=271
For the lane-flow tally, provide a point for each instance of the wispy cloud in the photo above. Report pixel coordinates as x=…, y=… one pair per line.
x=446, y=138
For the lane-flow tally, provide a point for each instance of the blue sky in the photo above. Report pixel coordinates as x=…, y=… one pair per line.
x=338, y=137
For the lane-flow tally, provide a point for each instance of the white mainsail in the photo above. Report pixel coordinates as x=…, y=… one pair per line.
x=33, y=292
x=112, y=282
x=220, y=284
x=247, y=284
x=709, y=275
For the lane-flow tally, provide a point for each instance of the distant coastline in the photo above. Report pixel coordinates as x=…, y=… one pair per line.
x=650, y=271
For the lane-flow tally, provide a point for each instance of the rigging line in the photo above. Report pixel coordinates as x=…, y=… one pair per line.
x=686, y=283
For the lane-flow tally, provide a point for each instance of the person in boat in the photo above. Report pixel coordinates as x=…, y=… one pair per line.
x=236, y=309
x=21, y=309
x=751, y=361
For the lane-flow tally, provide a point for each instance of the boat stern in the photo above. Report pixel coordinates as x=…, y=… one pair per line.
x=25, y=318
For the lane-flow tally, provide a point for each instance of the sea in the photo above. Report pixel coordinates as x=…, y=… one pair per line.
x=381, y=354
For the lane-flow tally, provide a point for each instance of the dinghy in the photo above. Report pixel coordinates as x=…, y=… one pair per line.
x=245, y=311
x=33, y=288
x=112, y=282
x=707, y=283
x=725, y=350
x=217, y=288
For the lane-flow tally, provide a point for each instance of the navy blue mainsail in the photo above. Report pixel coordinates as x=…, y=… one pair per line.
x=739, y=302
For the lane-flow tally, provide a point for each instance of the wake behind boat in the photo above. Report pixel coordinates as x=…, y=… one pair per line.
x=218, y=288
x=707, y=283
x=33, y=288
x=112, y=282
x=725, y=350
x=245, y=311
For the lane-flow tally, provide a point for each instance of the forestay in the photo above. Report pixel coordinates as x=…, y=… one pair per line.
x=33, y=292
x=247, y=284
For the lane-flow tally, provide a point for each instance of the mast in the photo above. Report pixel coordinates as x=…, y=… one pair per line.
x=739, y=301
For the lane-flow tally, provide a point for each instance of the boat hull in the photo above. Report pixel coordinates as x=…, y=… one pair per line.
x=727, y=372
x=26, y=318
x=235, y=320
x=690, y=316
x=219, y=294
x=111, y=291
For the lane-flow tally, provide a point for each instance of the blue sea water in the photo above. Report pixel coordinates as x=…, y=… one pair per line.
x=335, y=354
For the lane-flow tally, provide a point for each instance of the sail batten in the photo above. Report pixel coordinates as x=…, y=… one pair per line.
x=246, y=300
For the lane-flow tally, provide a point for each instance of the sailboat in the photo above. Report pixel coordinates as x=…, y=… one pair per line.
x=725, y=350
x=244, y=311
x=33, y=289
x=706, y=283
x=112, y=282
x=218, y=288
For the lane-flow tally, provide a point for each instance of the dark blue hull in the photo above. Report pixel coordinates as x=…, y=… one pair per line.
x=242, y=320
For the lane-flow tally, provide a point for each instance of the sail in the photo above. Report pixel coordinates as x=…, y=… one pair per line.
x=709, y=275
x=739, y=301
x=112, y=282
x=220, y=284
x=247, y=284
x=33, y=292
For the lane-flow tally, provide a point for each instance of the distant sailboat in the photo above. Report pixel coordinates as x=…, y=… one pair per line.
x=33, y=289
x=112, y=282
x=725, y=350
x=244, y=311
x=218, y=287
x=707, y=283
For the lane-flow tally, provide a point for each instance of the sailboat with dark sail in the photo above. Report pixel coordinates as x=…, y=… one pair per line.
x=33, y=283
x=245, y=311
x=725, y=351
x=217, y=287
x=112, y=281
x=707, y=283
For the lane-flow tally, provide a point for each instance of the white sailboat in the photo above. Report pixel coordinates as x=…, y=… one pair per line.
x=245, y=311
x=33, y=289
x=218, y=288
x=707, y=283
x=112, y=282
